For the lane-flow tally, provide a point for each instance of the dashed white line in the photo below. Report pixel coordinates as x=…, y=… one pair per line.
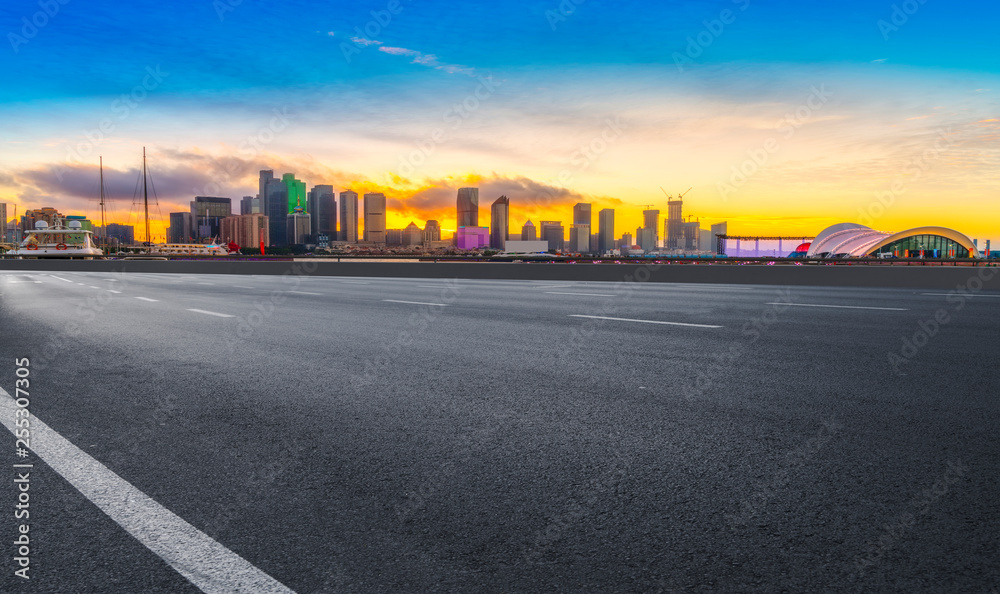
x=211, y=313
x=645, y=321
x=584, y=294
x=957, y=293
x=305, y=293
x=356, y=282
x=243, y=287
x=93, y=287
x=201, y=560
x=147, y=299
x=415, y=302
x=65, y=280
x=840, y=306
x=114, y=291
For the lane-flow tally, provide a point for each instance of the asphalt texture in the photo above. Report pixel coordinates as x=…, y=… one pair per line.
x=341, y=439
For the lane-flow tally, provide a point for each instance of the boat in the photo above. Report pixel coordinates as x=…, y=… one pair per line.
x=58, y=241
x=188, y=249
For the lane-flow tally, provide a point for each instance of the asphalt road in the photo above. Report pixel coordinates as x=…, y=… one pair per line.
x=387, y=435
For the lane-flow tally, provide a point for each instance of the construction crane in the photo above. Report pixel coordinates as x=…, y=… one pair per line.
x=679, y=196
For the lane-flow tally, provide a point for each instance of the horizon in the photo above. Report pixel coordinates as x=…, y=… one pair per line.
x=782, y=124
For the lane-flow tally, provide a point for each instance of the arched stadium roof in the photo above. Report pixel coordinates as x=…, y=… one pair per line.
x=854, y=240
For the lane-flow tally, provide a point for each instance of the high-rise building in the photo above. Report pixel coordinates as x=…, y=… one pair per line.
x=250, y=205
x=646, y=238
x=552, y=232
x=298, y=227
x=581, y=214
x=651, y=221
x=180, y=229
x=123, y=234
x=605, y=230
x=412, y=235
x=47, y=214
x=675, y=224
x=626, y=242
x=273, y=198
x=468, y=207
x=246, y=231
x=207, y=213
x=579, y=239
x=296, y=193
x=432, y=232
x=323, y=210
x=528, y=232
x=394, y=237
x=691, y=233
x=375, y=218
x=500, y=223
x=719, y=245
x=348, y=216
x=3, y=223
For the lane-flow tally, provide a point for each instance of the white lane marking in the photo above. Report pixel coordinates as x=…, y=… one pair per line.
x=432, y=286
x=113, y=291
x=211, y=313
x=147, y=299
x=552, y=287
x=356, y=282
x=242, y=287
x=645, y=321
x=957, y=293
x=79, y=283
x=93, y=287
x=209, y=284
x=27, y=282
x=840, y=306
x=305, y=293
x=61, y=278
x=585, y=294
x=415, y=302
x=192, y=553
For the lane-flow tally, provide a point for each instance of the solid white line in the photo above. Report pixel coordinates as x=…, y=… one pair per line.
x=305, y=293
x=841, y=306
x=957, y=293
x=586, y=294
x=113, y=291
x=61, y=278
x=192, y=553
x=147, y=299
x=211, y=313
x=414, y=302
x=645, y=321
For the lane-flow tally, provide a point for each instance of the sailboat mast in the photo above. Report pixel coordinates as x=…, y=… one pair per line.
x=104, y=230
x=145, y=199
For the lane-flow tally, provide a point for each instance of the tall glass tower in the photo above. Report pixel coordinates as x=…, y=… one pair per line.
x=468, y=207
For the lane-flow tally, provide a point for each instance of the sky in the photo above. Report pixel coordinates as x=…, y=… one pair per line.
x=781, y=118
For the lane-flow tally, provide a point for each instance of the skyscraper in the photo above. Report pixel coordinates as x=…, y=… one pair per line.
x=468, y=207
x=3, y=221
x=323, y=208
x=528, y=232
x=246, y=231
x=412, y=235
x=579, y=239
x=296, y=193
x=349, y=216
x=605, y=230
x=250, y=205
x=675, y=224
x=581, y=214
x=375, y=218
x=500, y=223
x=651, y=221
x=553, y=232
x=207, y=213
x=179, y=230
x=277, y=211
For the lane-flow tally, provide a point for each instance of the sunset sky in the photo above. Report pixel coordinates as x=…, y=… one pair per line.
x=783, y=118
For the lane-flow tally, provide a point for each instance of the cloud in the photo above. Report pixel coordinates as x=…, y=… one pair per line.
x=331, y=33
x=429, y=60
x=365, y=42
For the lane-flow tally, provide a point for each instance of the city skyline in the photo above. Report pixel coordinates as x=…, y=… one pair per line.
x=845, y=114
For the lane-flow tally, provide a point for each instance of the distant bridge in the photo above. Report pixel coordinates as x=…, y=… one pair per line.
x=721, y=241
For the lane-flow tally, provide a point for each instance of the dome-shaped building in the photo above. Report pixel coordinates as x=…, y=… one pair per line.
x=850, y=240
